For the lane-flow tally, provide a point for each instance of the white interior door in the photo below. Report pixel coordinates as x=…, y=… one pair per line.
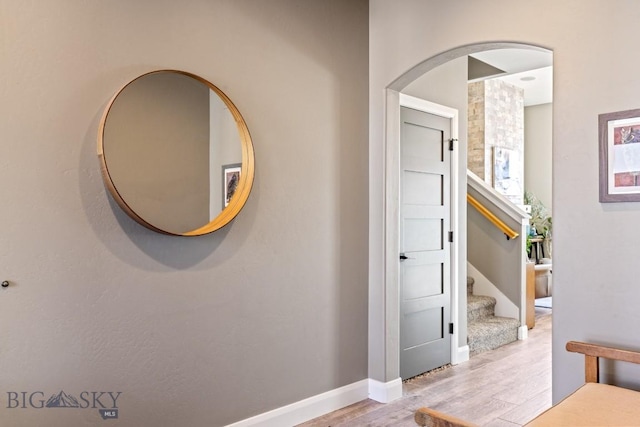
x=425, y=250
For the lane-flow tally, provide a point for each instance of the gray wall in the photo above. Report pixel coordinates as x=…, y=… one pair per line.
x=447, y=85
x=595, y=285
x=193, y=331
x=538, y=135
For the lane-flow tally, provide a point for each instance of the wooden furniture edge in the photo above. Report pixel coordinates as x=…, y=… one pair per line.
x=592, y=353
x=431, y=418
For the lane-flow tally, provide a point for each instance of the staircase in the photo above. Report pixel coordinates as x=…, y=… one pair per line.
x=486, y=331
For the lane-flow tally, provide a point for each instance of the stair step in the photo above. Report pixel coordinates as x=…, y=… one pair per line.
x=470, y=282
x=491, y=332
x=479, y=307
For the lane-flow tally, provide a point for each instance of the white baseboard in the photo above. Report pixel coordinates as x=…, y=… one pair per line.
x=523, y=332
x=311, y=408
x=385, y=392
x=330, y=401
x=461, y=356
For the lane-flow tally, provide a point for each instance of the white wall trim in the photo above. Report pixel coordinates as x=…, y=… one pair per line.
x=523, y=332
x=504, y=204
x=462, y=355
x=312, y=407
x=430, y=107
x=391, y=237
x=385, y=392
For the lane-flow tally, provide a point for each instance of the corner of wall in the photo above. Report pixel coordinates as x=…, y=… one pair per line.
x=385, y=392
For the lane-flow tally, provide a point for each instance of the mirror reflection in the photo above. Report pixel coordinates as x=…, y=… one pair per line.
x=176, y=153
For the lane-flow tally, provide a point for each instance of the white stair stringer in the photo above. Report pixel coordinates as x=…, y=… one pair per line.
x=482, y=286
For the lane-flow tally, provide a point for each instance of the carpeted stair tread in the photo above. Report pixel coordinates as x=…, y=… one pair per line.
x=479, y=307
x=491, y=332
x=486, y=331
x=478, y=301
x=492, y=324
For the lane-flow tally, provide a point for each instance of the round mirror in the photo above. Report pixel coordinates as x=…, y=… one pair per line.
x=176, y=154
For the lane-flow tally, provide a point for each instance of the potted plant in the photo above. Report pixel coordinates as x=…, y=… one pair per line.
x=540, y=221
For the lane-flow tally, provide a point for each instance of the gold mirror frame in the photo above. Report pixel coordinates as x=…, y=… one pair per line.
x=247, y=171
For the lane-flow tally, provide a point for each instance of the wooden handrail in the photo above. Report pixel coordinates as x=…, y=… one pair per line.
x=508, y=231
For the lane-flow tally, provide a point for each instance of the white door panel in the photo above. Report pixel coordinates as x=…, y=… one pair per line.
x=425, y=210
x=422, y=235
x=413, y=190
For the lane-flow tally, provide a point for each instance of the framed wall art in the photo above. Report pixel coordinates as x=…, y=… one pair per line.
x=619, y=135
x=230, y=179
x=508, y=171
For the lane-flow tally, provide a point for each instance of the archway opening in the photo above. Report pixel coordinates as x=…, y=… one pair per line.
x=404, y=84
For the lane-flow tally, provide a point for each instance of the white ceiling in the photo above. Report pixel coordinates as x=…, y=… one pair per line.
x=520, y=64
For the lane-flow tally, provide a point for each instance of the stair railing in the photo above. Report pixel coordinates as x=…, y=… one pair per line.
x=508, y=231
x=501, y=263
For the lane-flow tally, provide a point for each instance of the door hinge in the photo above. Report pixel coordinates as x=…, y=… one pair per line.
x=451, y=141
x=451, y=328
x=451, y=237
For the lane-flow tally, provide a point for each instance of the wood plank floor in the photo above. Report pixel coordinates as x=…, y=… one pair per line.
x=506, y=387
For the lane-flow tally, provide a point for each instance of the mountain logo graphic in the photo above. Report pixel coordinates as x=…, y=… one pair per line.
x=62, y=400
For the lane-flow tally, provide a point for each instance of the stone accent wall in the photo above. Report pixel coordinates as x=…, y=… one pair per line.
x=496, y=119
x=475, y=130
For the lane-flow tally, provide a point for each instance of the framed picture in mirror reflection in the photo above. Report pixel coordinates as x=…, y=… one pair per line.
x=230, y=179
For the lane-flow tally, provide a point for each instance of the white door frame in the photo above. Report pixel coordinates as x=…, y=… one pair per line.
x=452, y=114
x=449, y=118
x=392, y=225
